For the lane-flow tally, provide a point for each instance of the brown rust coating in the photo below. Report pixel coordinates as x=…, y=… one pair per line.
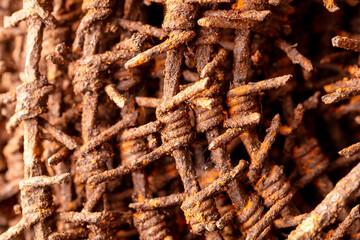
x=216, y=186
x=340, y=94
x=311, y=162
x=95, y=12
x=208, y=120
x=291, y=221
x=160, y=202
x=59, y=135
x=176, y=39
x=181, y=137
x=196, y=105
x=342, y=162
x=187, y=174
x=328, y=209
x=259, y=158
x=88, y=83
x=148, y=102
x=308, y=156
x=36, y=201
x=243, y=111
x=346, y=43
x=150, y=223
x=141, y=131
x=271, y=183
x=31, y=8
x=15, y=165
x=73, y=235
x=203, y=215
x=256, y=87
x=115, y=96
x=256, y=231
x=179, y=15
x=141, y=28
x=91, y=70
x=88, y=80
x=294, y=55
x=350, y=151
x=331, y=5
x=345, y=83
x=108, y=133
x=346, y=224
x=100, y=218
x=240, y=106
x=251, y=15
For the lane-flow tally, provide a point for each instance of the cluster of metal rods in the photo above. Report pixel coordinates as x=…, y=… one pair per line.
x=179, y=119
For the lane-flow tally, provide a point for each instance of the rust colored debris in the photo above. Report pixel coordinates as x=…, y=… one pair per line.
x=179, y=119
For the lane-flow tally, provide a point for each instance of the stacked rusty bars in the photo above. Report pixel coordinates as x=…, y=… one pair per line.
x=87, y=83
x=31, y=96
x=311, y=162
x=177, y=130
x=266, y=169
x=208, y=118
x=151, y=123
x=150, y=223
x=57, y=76
x=88, y=80
x=243, y=112
x=334, y=201
x=309, y=158
x=181, y=155
x=174, y=138
x=12, y=149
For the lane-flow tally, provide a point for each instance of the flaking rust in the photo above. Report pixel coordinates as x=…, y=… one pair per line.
x=179, y=119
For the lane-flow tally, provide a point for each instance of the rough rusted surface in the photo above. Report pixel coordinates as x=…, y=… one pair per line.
x=179, y=119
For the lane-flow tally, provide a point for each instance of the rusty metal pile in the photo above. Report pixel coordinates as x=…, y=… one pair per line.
x=179, y=119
